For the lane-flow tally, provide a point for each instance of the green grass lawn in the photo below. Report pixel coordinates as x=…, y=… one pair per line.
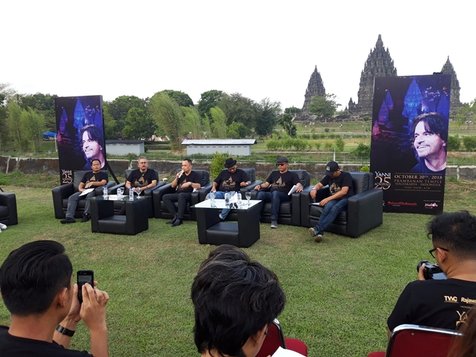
x=339, y=293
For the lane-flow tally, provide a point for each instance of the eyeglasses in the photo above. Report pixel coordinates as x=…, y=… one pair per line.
x=431, y=251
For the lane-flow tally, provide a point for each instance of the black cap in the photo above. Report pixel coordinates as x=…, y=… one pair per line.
x=230, y=163
x=331, y=167
x=282, y=160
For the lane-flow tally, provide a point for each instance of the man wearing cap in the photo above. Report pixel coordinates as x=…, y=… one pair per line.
x=277, y=186
x=336, y=187
x=229, y=180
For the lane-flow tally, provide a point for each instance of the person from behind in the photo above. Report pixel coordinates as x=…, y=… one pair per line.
x=142, y=178
x=276, y=188
x=185, y=181
x=230, y=180
x=430, y=135
x=35, y=283
x=234, y=300
x=443, y=303
x=331, y=193
x=465, y=346
x=91, y=180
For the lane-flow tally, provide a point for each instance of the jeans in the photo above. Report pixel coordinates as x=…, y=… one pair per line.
x=182, y=198
x=275, y=197
x=221, y=195
x=73, y=203
x=329, y=213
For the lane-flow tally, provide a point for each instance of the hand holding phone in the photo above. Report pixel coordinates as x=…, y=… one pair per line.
x=83, y=277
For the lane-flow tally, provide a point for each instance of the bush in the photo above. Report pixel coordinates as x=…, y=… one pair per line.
x=339, y=144
x=217, y=163
x=469, y=143
x=454, y=143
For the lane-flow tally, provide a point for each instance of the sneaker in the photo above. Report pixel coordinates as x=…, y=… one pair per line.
x=172, y=220
x=222, y=218
x=318, y=238
x=177, y=222
x=274, y=224
x=2, y=227
x=86, y=217
x=312, y=232
x=68, y=220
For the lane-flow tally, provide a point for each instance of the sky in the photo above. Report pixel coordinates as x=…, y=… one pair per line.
x=260, y=49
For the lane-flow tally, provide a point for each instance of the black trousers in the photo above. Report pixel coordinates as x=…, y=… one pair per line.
x=182, y=198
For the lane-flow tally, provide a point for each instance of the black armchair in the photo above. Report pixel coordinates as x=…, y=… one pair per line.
x=364, y=209
x=119, y=205
x=62, y=193
x=289, y=212
x=160, y=210
x=8, y=208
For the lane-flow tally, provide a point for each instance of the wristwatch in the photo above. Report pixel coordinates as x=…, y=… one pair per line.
x=65, y=331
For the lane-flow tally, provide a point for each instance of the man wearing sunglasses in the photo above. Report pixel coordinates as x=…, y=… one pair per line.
x=443, y=303
x=277, y=186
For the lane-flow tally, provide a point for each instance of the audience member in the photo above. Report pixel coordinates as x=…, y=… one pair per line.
x=35, y=283
x=234, y=300
x=430, y=135
x=184, y=183
x=465, y=346
x=331, y=193
x=230, y=180
x=278, y=185
x=142, y=178
x=90, y=180
x=443, y=303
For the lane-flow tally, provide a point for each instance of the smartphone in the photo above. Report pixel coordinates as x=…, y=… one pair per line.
x=84, y=276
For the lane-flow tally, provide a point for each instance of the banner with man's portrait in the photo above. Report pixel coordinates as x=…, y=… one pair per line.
x=80, y=134
x=409, y=141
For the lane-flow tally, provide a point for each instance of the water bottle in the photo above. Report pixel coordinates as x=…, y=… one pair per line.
x=212, y=199
x=131, y=194
x=105, y=193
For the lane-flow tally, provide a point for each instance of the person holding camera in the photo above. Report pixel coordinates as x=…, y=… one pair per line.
x=35, y=283
x=442, y=303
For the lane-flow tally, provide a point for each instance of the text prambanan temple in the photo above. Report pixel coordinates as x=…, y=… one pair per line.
x=379, y=64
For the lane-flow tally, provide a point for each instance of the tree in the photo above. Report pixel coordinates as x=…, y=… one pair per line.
x=181, y=98
x=33, y=125
x=192, y=128
x=138, y=124
x=236, y=131
x=240, y=109
x=43, y=104
x=118, y=110
x=168, y=116
x=218, y=123
x=208, y=100
x=14, y=124
x=267, y=117
x=323, y=107
x=286, y=121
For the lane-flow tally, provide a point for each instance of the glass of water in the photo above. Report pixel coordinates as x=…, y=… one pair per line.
x=238, y=199
x=248, y=197
x=120, y=192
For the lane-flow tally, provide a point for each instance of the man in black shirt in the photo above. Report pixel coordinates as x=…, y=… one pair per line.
x=184, y=183
x=443, y=303
x=35, y=282
x=90, y=180
x=340, y=188
x=142, y=178
x=228, y=181
x=278, y=184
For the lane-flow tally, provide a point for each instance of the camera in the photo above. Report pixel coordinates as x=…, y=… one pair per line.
x=431, y=271
x=83, y=277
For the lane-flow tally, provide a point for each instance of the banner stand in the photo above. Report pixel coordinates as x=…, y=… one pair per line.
x=109, y=169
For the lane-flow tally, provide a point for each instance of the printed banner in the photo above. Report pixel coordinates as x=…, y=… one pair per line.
x=409, y=136
x=80, y=134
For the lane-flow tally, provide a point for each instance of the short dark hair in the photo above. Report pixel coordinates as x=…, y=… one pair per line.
x=188, y=160
x=233, y=298
x=32, y=275
x=93, y=132
x=95, y=160
x=434, y=123
x=456, y=231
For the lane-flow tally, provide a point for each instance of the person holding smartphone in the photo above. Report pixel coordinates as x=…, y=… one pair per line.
x=35, y=283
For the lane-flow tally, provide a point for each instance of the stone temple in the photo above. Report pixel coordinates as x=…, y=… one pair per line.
x=379, y=63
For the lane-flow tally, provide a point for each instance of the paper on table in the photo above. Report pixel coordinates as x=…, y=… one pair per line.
x=86, y=191
x=292, y=190
x=281, y=352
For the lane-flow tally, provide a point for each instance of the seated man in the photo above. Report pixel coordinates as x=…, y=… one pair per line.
x=35, y=282
x=90, y=180
x=234, y=300
x=443, y=303
x=340, y=189
x=228, y=181
x=278, y=184
x=184, y=183
x=142, y=178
